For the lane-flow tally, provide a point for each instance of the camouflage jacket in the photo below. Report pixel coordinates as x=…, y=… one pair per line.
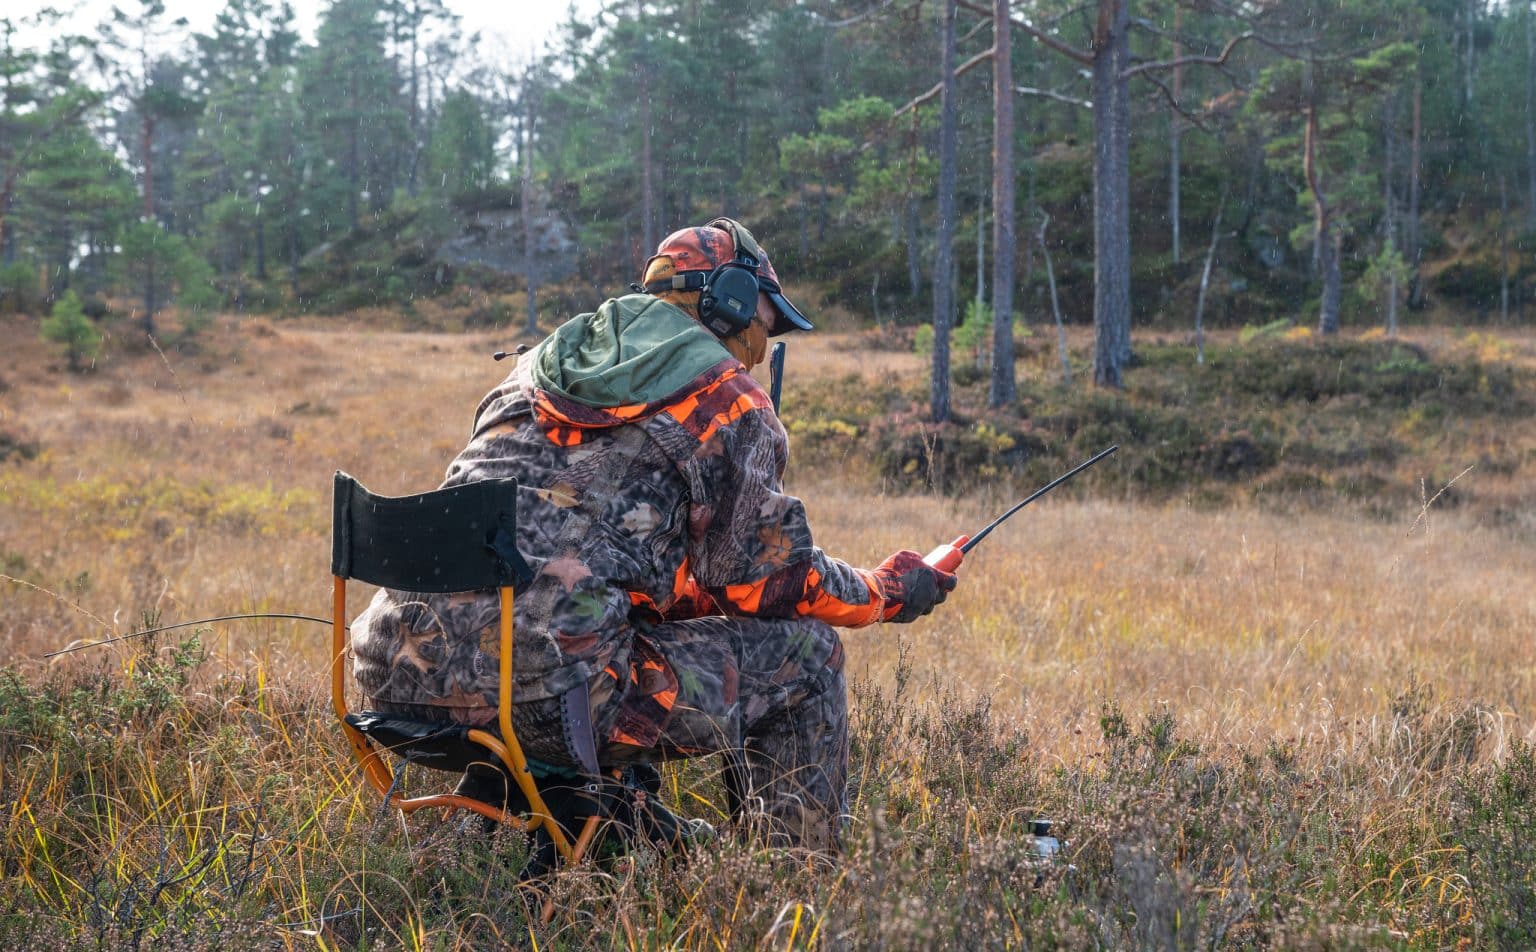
x=694, y=522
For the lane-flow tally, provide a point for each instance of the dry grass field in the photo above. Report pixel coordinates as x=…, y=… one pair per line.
x=1260, y=728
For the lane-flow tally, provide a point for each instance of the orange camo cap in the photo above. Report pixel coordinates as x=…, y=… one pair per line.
x=700, y=249
x=707, y=247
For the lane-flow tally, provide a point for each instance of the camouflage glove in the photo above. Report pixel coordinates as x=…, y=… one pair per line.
x=910, y=586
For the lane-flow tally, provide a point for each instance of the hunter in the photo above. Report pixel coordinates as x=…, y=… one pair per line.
x=681, y=606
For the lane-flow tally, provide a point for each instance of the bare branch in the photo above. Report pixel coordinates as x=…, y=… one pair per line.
x=855, y=19
x=1053, y=94
x=1235, y=11
x=965, y=67
x=1046, y=39
x=1193, y=118
x=1147, y=26
x=1074, y=11
x=982, y=25
x=1218, y=60
x=1184, y=38
x=1049, y=22
x=1252, y=14
x=1286, y=47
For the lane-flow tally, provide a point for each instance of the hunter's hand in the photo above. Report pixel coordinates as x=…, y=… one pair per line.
x=910, y=586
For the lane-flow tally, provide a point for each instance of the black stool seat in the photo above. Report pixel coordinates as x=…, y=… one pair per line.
x=436, y=745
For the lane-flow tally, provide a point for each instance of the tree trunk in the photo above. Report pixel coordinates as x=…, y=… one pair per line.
x=226, y=240
x=147, y=126
x=1324, y=235
x=7, y=233
x=1111, y=194
x=1002, y=389
x=943, y=270
x=148, y=323
x=648, y=240
x=261, y=245
x=647, y=174
x=525, y=202
x=1389, y=164
x=147, y=156
x=1251, y=187
x=981, y=243
x=1205, y=281
x=1175, y=131
x=1471, y=49
x=293, y=259
x=914, y=255
x=354, y=159
x=803, y=220
x=60, y=282
x=1061, y=326
x=1530, y=118
x=1389, y=203
x=728, y=168
x=1333, y=281
x=1392, y=304
x=410, y=182
x=1503, y=250
x=1415, y=162
x=1030, y=208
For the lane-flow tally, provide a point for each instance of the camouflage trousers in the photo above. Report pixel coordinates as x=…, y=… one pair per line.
x=767, y=694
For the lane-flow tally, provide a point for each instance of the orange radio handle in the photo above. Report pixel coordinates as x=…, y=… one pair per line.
x=947, y=558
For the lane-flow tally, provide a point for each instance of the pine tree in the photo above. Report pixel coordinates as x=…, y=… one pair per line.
x=223, y=162
x=1312, y=99
x=154, y=88
x=355, y=116
x=412, y=24
x=41, y=104
x=69, y=326
x=462, y=154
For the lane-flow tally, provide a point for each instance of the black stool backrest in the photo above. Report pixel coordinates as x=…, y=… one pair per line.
x=459, y=539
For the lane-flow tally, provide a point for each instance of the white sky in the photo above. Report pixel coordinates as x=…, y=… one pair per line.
x=509, y=28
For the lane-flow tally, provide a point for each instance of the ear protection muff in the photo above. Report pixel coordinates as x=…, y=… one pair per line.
x=729, y=298
x=727, y=295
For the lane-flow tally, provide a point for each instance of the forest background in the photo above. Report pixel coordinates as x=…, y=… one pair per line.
x=1332, y=159
x=1269, y=667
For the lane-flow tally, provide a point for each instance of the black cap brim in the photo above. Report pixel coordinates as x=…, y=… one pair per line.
x=789, y=317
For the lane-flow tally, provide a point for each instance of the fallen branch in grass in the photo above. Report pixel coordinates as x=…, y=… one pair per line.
x=185, y=624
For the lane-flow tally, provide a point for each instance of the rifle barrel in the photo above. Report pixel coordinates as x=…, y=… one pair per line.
x=776, y=374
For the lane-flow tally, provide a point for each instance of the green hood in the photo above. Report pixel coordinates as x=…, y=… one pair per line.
x=634, y=349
